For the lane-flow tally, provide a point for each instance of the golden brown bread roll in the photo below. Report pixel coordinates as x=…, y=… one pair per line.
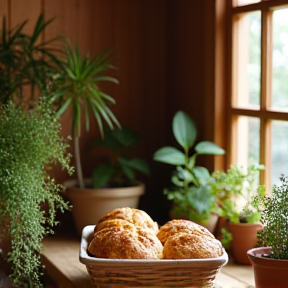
x=184, y=226
x=191, y=246
x=113, y=223
x=128, y=233
x=126, y=243
x=135, y=216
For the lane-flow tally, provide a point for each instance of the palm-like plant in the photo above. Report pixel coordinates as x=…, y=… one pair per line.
x=76, y=86
x=26, y=61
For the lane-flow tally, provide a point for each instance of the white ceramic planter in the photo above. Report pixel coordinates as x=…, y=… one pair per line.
x=90, y=204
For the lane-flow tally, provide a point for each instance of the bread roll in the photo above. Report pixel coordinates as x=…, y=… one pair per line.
x=191, y=246
x=135, y=216
x=113, y=223
x=184, y=226
x=126, y=243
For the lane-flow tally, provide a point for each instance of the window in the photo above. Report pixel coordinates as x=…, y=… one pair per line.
x=258, y=106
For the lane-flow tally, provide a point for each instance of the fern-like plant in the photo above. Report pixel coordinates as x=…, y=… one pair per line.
x=274, y=217
x=30, y=145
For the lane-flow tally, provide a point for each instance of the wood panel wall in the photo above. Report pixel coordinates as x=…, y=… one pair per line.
x=160, y=51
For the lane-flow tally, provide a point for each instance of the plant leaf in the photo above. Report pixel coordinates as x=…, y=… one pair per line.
x=102, y=174
x=202, y=175
x=184, y=130
x=169, y=155
x=196, y=196
x=207, y=147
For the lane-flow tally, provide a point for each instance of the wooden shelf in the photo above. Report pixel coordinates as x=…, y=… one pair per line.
x=60, y=256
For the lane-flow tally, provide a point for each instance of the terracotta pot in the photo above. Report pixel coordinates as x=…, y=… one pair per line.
x=89, y=204
x=244, y=237
x=268, y=272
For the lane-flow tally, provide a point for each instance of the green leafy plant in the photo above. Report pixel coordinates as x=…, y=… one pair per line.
x=30, y=145
x=77, y=86
x=190, y=191
x=26, y=61
x=120, y=169
x=274, y=217
x=236, y=190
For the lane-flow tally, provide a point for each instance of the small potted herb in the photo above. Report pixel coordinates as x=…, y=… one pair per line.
x=236, y=190
x=190, y=189
x=270, y=258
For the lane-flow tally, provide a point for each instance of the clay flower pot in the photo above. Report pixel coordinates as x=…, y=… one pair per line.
x=244, y=237
x=268, y=272
x=90, y=204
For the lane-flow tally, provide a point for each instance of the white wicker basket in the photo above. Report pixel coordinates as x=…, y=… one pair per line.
x=118, y=273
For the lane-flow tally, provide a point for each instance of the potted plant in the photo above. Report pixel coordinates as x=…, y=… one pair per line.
x=236, y=190
x=30, y=145
x=190, y=191
x=114, y=180
x=76, y=86
x=270, y=258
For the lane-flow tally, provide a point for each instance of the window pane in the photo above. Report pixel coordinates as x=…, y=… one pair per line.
x=245, y=2
x=280, y=60
x=248, y=62
x=248, y=140
x=279, y=150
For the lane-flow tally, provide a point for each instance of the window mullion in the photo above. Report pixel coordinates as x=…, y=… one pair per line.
x=265, y=96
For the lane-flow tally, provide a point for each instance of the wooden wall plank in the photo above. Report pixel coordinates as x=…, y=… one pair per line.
x=85, y=26
x=160, y=58
x=23, y=10
x=4, y=10
x=54, y=9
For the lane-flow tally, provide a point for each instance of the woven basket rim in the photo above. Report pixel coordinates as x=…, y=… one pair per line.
x=85, y=259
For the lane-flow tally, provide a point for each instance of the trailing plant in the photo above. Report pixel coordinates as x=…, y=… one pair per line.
x=26, y=61
x=77, y=86
x=190, y=191
x=274, y=217
x=30, y=145
x=236, y=190
x=119, y=170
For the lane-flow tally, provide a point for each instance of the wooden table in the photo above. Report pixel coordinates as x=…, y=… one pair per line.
x=60, y=256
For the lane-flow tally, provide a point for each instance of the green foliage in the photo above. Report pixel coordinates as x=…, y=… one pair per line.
x=274, y=217
x=226, y=238
x=190, y=191
x=77, y=86
x=25, y=61
x=236, y=190
x=30, y=145
x=120, y=169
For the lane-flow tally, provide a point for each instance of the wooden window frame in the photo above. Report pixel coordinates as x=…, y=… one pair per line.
x=223, y=42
